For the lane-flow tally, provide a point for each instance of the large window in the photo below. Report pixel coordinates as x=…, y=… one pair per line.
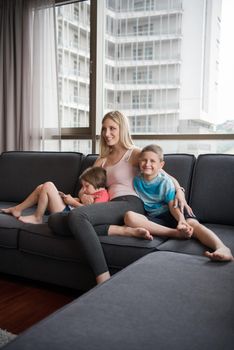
x=160, y=62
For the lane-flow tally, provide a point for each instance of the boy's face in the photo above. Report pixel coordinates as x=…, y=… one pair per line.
x=87, y=187
x=150, y=165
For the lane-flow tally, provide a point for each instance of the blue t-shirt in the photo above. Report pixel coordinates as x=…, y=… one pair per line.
x=156, y=193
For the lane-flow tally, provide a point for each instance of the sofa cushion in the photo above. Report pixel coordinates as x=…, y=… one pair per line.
x=212, y=190
x=86, y=163
x=192, y=246
x=21, y=172
x=162, y=301
x=180, y=166
x=119, y=251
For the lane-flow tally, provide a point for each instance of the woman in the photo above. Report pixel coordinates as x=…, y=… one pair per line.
x=119, y=157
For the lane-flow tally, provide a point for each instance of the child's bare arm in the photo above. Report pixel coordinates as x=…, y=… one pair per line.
x=69, y=200
x=179, y=217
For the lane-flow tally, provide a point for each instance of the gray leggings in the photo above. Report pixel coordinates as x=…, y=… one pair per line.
x=82, y=222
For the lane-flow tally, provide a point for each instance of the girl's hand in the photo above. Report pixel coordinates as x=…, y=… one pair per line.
x=67, y=199
x=86, y=199
x=181, y=203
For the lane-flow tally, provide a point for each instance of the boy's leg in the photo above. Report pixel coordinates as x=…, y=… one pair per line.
x=136, y=221
x=50, y=199
x=211, y=240
x=31, y=200
x=124, y=230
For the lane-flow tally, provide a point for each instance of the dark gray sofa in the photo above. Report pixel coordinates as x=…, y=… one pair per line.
x=33, y=251
x=167, y=296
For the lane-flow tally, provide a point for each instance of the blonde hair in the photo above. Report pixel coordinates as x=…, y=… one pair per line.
x=155, y=149
x=124, y=132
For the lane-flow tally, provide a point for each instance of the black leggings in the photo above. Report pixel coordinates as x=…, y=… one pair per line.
x=82, y=221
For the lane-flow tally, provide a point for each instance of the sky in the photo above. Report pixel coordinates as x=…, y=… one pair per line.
x=226, y=63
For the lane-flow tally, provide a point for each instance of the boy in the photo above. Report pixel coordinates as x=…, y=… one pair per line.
x=157, y=192
x=47, y=197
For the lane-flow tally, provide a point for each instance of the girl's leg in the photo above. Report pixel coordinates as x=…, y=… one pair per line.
x=211, y=240
x=30, y=201
x=48, y=198
x=81, y=221
x=134, y=221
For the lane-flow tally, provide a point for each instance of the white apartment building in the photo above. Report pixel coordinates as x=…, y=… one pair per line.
x=158, y=60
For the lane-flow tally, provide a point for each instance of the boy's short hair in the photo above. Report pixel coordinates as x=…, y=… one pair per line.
x=154, y=148
x=96, y=176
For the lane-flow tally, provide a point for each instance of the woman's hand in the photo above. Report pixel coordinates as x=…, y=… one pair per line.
x=181, y=203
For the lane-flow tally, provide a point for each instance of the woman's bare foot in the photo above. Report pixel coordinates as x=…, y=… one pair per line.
x=30, y=219
x=139, y=232
x=12, y=211
x=220, y=254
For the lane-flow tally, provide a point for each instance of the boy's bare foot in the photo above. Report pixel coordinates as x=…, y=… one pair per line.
x=184, y=231
x=139, y=232
x=12, y=211
x=30, y=219
x=220, y=254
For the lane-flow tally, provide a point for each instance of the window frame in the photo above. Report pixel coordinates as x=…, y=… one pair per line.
x=90, y=133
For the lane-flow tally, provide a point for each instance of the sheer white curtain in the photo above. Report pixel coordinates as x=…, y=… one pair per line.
x=28, y=75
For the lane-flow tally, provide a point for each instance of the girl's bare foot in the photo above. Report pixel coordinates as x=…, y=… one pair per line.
x=30, y=219
x=12, y=211
x=139, y=232
x=220, y=254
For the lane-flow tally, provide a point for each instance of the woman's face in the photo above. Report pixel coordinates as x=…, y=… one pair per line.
x=110, y=132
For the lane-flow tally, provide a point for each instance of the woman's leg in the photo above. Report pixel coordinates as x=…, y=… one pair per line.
x=82, y=220
x=30, y=201
x=207, y=237
x=48, y=198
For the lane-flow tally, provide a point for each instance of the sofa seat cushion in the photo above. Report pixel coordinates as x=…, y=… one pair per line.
x=40, y=240
x=122, y=251
x=192, y=246
x=119, y=251
x=162, y=301
x=9, y=228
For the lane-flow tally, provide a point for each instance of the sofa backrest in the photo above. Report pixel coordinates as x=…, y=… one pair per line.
x=212, y=190
x=180, y=166
x=21, y=172
x=86, y=163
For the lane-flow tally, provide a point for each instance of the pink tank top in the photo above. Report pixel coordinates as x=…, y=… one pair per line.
x=120, y=177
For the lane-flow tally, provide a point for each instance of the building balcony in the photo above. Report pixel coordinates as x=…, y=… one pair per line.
x=141, y=62
x=74, y=48
x=139, y=109
x=154, y=10
x=77, y=102
x=141, y=37
x=142, y=86
x=73, y=74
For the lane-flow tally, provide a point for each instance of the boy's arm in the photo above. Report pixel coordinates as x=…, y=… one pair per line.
x=180, y=200
x=175, y=212
x=179, y=217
